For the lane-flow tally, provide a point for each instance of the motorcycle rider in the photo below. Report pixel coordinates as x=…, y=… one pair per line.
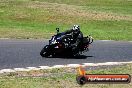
x=77, y=37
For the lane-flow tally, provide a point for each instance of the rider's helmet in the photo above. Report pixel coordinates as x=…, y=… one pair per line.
x=76, y=28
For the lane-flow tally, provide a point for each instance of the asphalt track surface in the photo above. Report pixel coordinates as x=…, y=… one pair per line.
x=25, y=53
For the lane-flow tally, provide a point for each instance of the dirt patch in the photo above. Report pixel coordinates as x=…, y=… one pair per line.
x=76, y=11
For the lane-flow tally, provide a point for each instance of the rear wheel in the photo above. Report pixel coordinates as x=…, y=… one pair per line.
x=44, y=52
x=75, y=51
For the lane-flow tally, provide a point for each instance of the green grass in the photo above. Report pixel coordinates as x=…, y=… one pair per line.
x=116, y=6
x=61, y=78
x=103, y=19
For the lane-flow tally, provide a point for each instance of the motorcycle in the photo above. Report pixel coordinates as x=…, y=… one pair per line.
x=61, y=47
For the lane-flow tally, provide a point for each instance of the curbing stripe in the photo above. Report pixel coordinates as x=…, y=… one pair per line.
x=62, y=66
x=21, y=69
x=90, y=64
x=33, y=68
x=125, y=62
x=58, y=66
x=108, y=63
x=44, y=67
x=73, y=65
x=6, y=70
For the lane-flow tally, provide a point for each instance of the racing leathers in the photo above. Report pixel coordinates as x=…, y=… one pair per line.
x=77, y=37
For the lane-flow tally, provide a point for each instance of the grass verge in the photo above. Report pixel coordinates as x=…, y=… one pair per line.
x=60, y=78
x=103, y=19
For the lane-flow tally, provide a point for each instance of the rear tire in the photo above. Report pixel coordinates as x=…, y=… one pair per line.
x=75, y=51
x=44, y=52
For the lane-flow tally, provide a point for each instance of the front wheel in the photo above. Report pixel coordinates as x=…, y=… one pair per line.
x=44, y=52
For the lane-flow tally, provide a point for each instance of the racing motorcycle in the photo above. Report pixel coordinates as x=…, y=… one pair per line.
x=61, y=47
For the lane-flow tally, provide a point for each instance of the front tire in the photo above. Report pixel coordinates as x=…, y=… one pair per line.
x=44, y=52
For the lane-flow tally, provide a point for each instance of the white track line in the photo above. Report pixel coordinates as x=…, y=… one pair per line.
x=44, y=67
x=21, y=69
x=4, y=38
x=33, y=68
x=59, y=66
x=62, y=66
x=89, y=64
x=6, y=70
x=73, y=65
x=130, y=41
